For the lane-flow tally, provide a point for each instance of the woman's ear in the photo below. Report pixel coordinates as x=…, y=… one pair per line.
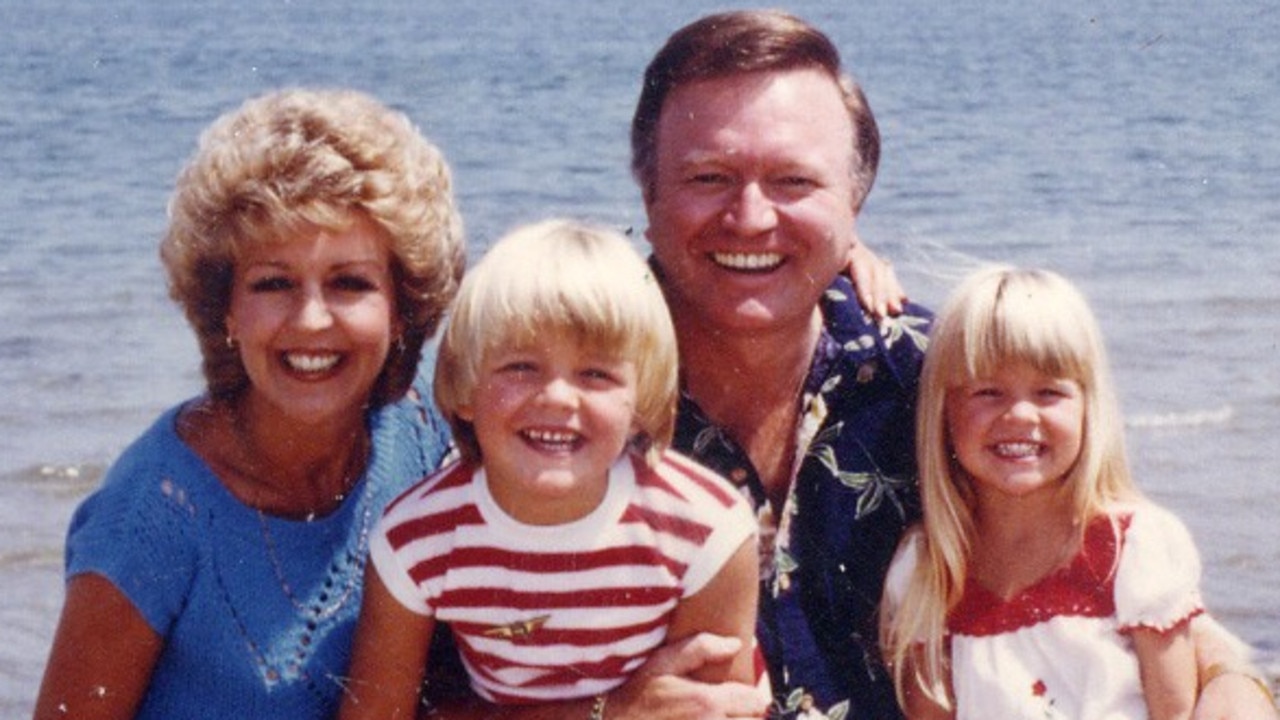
x=230, y=324
x=465, y=412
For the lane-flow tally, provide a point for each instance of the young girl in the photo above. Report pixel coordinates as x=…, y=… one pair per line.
x=1041, y=585
x=568, y=543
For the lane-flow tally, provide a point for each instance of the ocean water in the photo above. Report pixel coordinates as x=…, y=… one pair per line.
x=1130, y=145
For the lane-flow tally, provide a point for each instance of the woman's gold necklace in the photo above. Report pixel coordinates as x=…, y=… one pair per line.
x=353, y=468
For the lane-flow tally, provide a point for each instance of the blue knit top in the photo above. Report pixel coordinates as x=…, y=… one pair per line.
x=257, y=612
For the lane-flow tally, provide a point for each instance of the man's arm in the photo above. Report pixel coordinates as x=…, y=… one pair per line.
x=1231, y=688
x=661, y=688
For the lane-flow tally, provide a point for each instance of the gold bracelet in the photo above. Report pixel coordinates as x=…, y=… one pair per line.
x=597, y=706
x=1217, y=670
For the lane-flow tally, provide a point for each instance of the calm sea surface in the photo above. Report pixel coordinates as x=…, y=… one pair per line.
x=1131, y=145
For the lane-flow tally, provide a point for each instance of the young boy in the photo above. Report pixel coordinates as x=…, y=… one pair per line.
x=568, y=542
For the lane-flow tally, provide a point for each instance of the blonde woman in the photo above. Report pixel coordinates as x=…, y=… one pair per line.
x=314, y=245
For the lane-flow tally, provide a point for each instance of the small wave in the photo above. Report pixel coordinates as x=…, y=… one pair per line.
x=48, y=557
x=57, y=480
x=1189, y=418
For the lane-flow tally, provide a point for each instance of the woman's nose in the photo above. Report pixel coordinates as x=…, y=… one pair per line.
x=315, y=313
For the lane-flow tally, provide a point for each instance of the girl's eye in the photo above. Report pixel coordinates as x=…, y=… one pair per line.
x=271, y=283
x=598, y=374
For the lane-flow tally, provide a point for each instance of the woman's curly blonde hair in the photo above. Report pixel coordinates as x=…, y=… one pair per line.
x=298, y=159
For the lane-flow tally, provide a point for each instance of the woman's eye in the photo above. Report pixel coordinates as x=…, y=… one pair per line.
x=354, y=283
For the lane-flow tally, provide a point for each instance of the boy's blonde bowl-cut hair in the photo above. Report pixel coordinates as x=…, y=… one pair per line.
x=568, y=278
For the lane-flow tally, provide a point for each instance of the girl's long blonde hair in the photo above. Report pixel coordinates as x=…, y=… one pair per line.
x=998, y=315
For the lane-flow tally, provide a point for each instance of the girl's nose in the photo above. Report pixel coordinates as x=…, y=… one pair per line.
x=1022, y=409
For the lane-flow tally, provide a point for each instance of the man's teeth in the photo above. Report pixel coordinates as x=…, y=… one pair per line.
x=311, y=363
x=748, y=261
x=1017, y=449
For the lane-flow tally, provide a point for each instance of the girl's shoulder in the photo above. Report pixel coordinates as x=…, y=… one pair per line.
x=1158, y=574
x=1148, y=523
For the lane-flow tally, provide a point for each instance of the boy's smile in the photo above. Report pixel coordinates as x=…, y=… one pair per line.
x=551, y=418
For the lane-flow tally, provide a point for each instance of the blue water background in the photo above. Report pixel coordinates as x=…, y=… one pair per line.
x=1132, y=145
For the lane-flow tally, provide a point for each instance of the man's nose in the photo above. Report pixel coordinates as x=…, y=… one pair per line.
x=752, y=211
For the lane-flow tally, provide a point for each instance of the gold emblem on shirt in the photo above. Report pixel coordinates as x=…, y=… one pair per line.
x=519, y=629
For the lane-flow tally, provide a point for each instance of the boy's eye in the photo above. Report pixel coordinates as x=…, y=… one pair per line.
x=517, y=366
x=270, y=283
x=1059, y=390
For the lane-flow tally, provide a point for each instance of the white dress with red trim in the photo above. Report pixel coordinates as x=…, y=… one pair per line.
x=1061, y=648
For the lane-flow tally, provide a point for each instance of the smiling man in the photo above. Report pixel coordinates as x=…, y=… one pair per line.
x=754, y=152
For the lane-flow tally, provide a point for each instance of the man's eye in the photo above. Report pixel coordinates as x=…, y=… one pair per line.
x=709, y=178
x=796, y=181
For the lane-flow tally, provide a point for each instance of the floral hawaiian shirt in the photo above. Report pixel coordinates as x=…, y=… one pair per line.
x=826, y=553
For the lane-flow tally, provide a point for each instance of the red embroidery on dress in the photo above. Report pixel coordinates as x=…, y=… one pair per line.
x=1084, y=588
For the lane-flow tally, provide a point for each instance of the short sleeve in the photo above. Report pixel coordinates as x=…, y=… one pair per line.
x=137, y=531
x=395, y=578
x=734, y=527
x=1158, y=579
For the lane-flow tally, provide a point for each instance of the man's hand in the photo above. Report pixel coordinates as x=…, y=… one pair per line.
x=661, y=688
x=1233, y=694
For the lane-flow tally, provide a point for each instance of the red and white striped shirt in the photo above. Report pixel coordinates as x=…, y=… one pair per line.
x=560, y=611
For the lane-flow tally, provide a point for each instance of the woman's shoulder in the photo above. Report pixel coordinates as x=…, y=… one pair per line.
x=411, y=438
x=149, y=512
x=158, y=466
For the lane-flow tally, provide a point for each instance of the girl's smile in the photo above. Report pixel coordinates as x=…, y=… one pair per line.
x=1018, y=431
